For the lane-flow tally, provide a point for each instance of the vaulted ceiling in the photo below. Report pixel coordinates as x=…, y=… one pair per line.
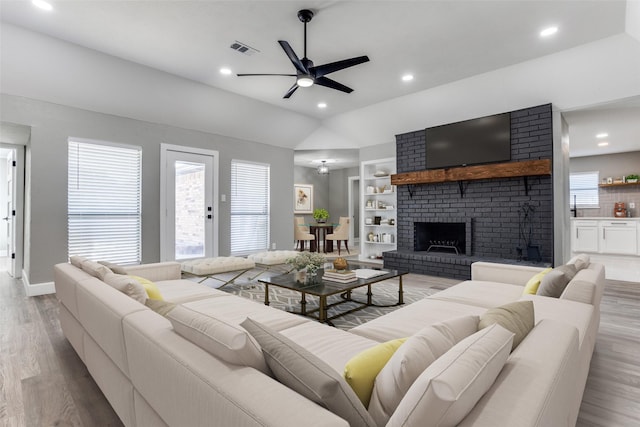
x=161, y=61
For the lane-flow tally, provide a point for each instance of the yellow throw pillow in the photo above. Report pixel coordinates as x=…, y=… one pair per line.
x=361, y=370
x=152, y=289
x=532, y=285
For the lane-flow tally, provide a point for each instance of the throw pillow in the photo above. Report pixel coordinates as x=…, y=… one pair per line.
x=95, y=269
x=77, y=261
x=554, y=282
x=517, y=317
x=114, y=267
x=161, y=307
x=152, y=289
x=305, y=373
x=411, y=359
x=224, y=340
x=127, y=286
x=534, y=283
x=581, y=261
x=361, y=370
x=451, y=386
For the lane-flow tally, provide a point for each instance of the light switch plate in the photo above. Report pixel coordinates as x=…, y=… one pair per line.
x=632, y=205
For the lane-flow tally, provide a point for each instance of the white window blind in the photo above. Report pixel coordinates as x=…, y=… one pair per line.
x=249, y=207
x=583, y=188
x=104, y=202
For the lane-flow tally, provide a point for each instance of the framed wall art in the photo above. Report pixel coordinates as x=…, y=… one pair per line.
x=303, y=198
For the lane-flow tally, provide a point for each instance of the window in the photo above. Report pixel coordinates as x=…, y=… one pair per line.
x=583, y=188
x=250, y=220
x=104, y=201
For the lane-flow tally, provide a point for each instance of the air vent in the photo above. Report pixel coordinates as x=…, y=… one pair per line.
x=243, y=48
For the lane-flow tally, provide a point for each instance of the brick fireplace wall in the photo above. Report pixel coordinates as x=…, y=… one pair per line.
x=492, y=206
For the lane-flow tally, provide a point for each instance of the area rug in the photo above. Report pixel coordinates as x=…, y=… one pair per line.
x=384, y=293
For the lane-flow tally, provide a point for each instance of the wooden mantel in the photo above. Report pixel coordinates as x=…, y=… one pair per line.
x=472, y=173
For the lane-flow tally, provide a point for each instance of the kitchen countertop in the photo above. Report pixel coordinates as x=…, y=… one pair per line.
x=606, y=218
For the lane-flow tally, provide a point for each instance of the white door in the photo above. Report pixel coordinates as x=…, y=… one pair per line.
x=13, y=213
x=189, y=213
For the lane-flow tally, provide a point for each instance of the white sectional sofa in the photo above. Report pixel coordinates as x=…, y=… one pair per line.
x=153, y=376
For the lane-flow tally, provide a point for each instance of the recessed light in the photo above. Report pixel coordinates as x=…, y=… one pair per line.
x=603, y=144
x=548, y=31
x=42, y=4
x=602, y=135
x=407, y=77
x=225, y=71
x=322, y=105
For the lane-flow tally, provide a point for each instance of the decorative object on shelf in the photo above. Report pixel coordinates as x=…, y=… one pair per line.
x=323, y=169
x=609, y=180
x=307, y=263
x=321, y=215
x=376, y=220
x=371, y=236
x=371, y=189
x=633, y=178
x=619, y=210
x=368, y=221
x=381, y=173
x=340, y=264
x=303, y=198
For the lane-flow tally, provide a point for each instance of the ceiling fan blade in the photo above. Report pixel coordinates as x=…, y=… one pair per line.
x=325, y=69
x=245, y=75
x=324, y=81
x=290, y=91
x=293, y=57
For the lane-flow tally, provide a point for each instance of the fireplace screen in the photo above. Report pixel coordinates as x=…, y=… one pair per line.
x=447, y=237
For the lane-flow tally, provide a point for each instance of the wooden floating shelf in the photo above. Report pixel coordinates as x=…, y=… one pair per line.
x=472, y=173
x=619, y=184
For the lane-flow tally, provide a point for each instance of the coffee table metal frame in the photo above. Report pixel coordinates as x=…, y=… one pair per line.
x=322, y=289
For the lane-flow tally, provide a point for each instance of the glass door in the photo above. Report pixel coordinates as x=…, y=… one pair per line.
x=189, y=231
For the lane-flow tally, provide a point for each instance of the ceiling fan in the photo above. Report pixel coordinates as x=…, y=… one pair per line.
x=306, y=73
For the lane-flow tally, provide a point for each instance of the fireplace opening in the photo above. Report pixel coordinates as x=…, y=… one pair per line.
x=447, y=237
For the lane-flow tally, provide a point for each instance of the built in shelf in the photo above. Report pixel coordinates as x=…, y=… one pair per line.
x=619, y=184
x=472, y=173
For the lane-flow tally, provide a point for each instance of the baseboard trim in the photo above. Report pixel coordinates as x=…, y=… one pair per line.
x=36, y=289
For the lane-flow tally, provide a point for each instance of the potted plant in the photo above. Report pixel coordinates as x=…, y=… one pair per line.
x=320, y=215
x=632, y=178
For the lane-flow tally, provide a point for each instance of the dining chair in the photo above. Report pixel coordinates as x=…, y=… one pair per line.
x=301, y=232
x=341, y=233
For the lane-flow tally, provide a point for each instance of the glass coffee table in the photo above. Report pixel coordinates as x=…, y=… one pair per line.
x=322, y=289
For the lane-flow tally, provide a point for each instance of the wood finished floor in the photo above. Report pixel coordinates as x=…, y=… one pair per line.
x=44, y=383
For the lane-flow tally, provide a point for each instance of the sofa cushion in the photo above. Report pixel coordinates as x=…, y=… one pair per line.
x=517, y=317
x=450, y=387
x=224, y=340
x=126, y=285
x=361, y=370
x=411, y=318
x=554, y=282
x=411, y=359
x=161, y=307
x=534, y=283
x=306, y=374
x=151, y=288
x=480, y=293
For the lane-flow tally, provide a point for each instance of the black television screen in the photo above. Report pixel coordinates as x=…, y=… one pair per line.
x=471, y=142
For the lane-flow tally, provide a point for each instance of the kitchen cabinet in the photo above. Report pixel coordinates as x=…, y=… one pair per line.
x=378, y=209
x=618, y=237
x=585, y=236
x=607, y=236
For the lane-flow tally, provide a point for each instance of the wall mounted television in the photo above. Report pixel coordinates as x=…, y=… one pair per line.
x=470, y=142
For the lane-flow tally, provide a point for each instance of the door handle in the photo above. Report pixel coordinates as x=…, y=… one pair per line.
x=6, y=218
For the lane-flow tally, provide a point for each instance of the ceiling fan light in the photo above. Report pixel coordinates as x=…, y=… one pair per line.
x=304, y=81
x=323, y=169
